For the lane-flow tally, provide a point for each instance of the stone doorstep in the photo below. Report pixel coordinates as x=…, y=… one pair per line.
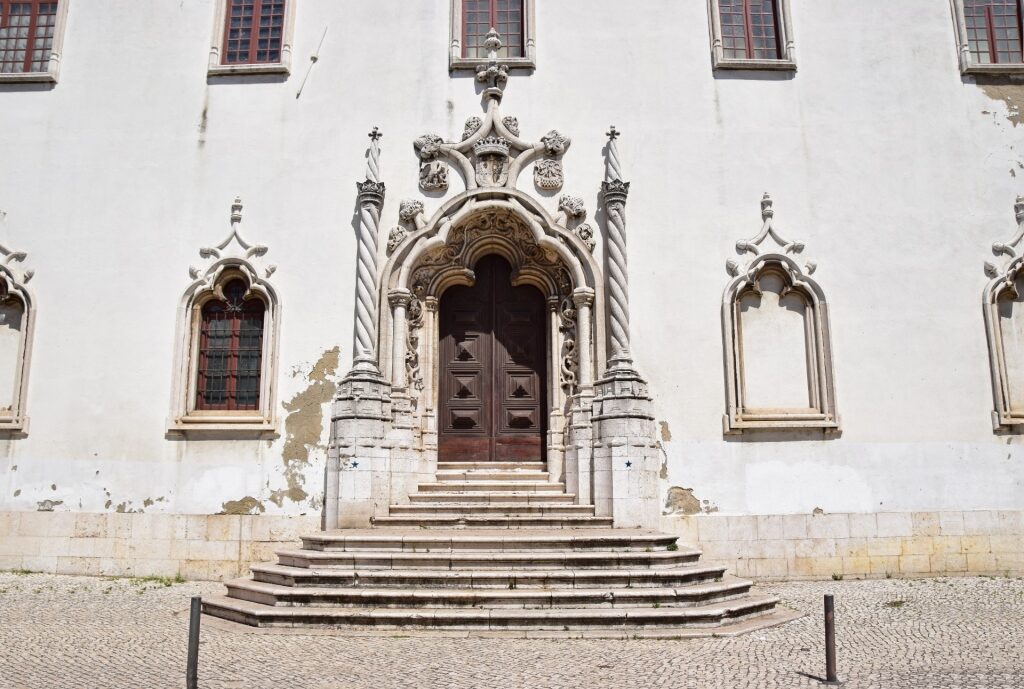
x=778, y=616
x=688, y=596
x=491, y=475
x=502, y=508
x=496, y=521
x=500, y=540
x=518, y=486
x=500, y=579
x=493, y=496
x=491, y=466
x=485, y=618
x=485, y=559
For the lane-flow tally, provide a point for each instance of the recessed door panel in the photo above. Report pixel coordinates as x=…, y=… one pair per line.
x=492, y=394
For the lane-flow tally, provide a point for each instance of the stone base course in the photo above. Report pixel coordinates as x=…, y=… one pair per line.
x=877, y=545
x=211, y=547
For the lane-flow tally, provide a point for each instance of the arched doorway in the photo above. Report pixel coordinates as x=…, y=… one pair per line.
x=493, y=373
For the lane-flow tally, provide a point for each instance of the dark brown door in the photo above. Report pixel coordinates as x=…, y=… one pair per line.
x=493, y=396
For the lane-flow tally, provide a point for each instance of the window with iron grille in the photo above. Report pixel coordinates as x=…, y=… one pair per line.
x=27, y=31
x=993, y=30
x=230, y=351
x=480, y=16
x=253, y=32
x=750, y=29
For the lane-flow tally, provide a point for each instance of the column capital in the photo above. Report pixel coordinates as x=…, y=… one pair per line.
x=583, y=296
x=615, y=191
x=371, y=193
x=431, y=304
x=399, y=297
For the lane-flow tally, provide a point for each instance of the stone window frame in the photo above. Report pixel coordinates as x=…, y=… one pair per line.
x=232, y=259
x=216, y=69
x=787, y=44
x=783, y=258
x=15, y=279
x=529, y=61
x=1003, y=279
x=967, y=63
x=52, y=73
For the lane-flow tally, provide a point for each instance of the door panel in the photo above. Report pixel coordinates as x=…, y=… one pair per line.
x=492, y=380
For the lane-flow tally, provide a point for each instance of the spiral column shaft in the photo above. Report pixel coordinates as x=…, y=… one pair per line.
x=371, y=200
x=615, y=192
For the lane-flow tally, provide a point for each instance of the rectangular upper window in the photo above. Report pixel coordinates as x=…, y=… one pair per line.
x=993, y=31
x=252, y=36
x=989, y=35
x=473, y=19
x=480, y=16
x=751, y=34
x=30, y=35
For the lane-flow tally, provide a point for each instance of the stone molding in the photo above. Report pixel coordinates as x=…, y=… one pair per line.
x=1004, y=271
x=457, y=62
x=52, y=72
x=14, y=286
x=967, y=63
x=233, y=257
x=216, y=69
x=770, y=252
x=786, y=40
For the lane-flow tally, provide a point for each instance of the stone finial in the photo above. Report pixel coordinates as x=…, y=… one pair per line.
x=236, y=211
x=766, y=207
x=373, y=159
x=492, y=73
x=613, y=165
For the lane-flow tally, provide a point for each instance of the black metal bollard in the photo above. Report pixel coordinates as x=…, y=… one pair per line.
x=192, y=669
x=830, y=640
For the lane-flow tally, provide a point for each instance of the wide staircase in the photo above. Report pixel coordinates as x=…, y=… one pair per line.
x=496, y=547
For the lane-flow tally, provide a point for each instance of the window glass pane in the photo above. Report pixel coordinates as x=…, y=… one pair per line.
x=479, y=16
x=231, y=351
x=750, y=29
x=993, y=31
x=26, y=36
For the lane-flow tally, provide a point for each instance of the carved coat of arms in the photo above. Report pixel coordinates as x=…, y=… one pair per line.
x=492, y=161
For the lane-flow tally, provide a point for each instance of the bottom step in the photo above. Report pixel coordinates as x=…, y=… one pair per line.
x=483, y=619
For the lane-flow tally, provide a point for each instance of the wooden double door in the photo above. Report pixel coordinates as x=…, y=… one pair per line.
x=493, y=373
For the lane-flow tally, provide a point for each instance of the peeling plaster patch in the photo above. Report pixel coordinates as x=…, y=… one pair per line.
x=148, y=502
x=17, y=492
x=304, y=426
x=666, y=432
x=48, y=505
x=681, y=501
x=818, y=512
x=247, y=505
x=14, y=467
x=708, y=507
x=107, y=504
x=1009, y=92
x=53, y=486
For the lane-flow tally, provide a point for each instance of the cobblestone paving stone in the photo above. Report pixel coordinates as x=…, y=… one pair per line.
x=90, y=633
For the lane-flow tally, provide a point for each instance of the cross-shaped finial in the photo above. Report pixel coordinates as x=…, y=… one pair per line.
x=613, y=134
x=375, y=134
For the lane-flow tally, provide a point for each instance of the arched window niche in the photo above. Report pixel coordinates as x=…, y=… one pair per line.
x=1003, y=302
x=17, y=322
x=226, y=351
x=777, y=338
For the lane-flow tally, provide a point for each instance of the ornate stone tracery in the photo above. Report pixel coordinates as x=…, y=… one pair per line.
x=773, y=277
x=17, y=323
x=1003, y=302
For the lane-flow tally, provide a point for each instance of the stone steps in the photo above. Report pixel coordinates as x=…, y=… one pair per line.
x=475, y=497
x=456, y=486
x=526, y=598
x=494, y=547
x=454, y=509
x=461, y=521
x=487, y=560
x=441, y=579
x=497, y=619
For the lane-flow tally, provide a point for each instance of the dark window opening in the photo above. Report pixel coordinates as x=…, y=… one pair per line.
x=750, y=29
x=479, y=16
x=231, y=351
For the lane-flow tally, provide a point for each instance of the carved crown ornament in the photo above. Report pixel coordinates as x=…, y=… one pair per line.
x=760, y=247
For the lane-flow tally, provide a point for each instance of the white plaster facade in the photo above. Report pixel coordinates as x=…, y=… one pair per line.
x=898, y=170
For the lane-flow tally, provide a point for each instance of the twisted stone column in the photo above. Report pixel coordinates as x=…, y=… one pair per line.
x=615, y=192
x=371, y=199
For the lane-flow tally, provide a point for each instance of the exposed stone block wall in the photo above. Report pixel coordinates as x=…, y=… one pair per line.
x=213, y=547
x=897, y=544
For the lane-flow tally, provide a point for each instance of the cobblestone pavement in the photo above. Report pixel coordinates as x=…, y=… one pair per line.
x=89, y=633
